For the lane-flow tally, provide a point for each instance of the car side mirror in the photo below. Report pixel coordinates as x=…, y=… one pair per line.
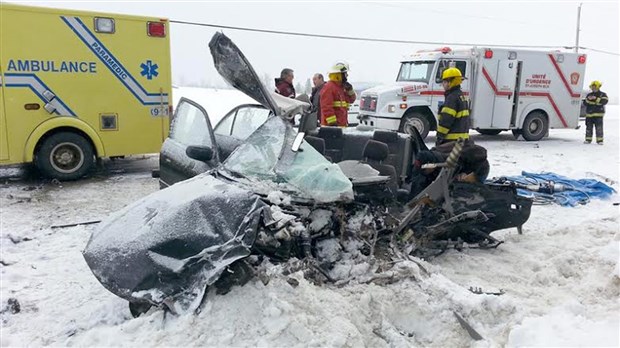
x=199, y=153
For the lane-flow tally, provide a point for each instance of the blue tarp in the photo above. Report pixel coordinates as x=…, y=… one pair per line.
x=576, y=191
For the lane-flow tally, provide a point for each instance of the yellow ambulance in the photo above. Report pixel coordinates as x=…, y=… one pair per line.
x=76, y=86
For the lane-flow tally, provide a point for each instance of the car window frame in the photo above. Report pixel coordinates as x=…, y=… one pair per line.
x=233, y=113
x=174, y=119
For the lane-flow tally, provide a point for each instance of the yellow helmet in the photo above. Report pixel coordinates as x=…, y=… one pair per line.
x=339, y=67
x=596, y=84
x=451, y=73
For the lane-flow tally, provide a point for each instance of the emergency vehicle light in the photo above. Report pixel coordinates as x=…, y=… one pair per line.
x=446, y=50
x=488, y=54
x=581, y=60
x=361, y=103
x=156, y=29
x=104, y=25
x=403, y=106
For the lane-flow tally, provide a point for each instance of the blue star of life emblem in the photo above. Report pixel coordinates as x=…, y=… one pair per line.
x=149, y=69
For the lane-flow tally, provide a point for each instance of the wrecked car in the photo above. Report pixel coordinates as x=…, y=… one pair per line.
x=278, y=195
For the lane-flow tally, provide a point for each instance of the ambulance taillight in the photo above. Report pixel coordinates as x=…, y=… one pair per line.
x=156, y=29
x=488, y=54
x=581, y=60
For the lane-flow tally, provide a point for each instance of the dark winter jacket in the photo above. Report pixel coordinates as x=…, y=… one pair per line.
x=284, y=88
x=595, y=104
x=315, y=99
x=453, y=117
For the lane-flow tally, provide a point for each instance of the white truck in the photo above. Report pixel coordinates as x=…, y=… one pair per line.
x=525, y=91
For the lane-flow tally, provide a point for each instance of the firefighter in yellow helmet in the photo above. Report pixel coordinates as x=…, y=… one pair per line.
x=595, y=110
x=336, y=96
x=454, y=113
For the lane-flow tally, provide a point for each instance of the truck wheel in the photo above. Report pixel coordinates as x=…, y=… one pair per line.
x=65, y=156
x=417, y=120
x=489, y=131
x=535, y=126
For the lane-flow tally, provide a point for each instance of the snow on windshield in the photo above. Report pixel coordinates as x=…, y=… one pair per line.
x=267, y=155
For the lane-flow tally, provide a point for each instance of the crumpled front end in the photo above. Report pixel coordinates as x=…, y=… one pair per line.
x=167, y=247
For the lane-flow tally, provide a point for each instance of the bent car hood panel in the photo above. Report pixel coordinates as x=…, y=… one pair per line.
x=171, y=244
x=236, y=69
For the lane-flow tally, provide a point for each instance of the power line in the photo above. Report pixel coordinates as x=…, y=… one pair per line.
x=599, y=51
x=353, y=38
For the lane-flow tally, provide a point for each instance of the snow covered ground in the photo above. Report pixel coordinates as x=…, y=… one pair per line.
x=561, y=277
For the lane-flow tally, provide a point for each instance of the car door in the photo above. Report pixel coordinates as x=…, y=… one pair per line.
x=189, y=126
x=237, y=125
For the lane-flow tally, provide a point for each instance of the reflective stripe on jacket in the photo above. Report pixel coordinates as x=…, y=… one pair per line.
x=454, y=116
x=335, y=104
x=595, y=104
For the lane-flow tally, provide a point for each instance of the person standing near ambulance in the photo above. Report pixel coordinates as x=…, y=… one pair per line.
x=595, y=110
x=454, y=113
x=335, y=97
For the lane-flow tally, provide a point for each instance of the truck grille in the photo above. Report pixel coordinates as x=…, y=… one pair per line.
x=368, y=103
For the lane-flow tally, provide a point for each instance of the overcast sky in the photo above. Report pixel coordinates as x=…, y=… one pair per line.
x=497, y=22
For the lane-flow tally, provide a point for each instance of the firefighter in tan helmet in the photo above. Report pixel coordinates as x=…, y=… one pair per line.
x=595, y=110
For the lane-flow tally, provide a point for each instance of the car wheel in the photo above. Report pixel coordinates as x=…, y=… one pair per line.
x=535, y=126
x=489, y=131
x=414, y=120
x=65, y=156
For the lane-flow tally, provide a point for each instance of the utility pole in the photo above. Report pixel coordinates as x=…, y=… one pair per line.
x=578, y=23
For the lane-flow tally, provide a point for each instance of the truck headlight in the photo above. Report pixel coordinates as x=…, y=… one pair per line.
x=391, y=108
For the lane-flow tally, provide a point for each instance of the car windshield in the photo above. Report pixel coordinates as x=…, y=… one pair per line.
x=267, y=157
x=418, y=71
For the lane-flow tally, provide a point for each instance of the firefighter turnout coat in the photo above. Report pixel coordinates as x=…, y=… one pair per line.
x=595, y=104
x=334, y=103
x=453, y=116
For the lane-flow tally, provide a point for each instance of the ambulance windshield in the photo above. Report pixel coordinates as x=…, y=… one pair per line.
x=418, y=71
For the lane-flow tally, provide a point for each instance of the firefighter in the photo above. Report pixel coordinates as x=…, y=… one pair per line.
x=454, y=113
x=336, y=96
x=595, y=110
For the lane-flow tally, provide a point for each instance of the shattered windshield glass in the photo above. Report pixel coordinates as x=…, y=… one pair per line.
x=258, y=156
x=267, y=156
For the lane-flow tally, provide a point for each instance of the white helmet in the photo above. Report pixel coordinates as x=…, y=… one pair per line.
x=339, y=67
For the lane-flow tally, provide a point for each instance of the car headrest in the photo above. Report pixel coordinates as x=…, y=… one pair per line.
x=385, y=136
x=376, y=150
x=317, y=143
x=330, y=132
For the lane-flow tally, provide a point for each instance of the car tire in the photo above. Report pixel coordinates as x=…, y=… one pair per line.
x=64, y=156
x=535, y=126
x=489, y=131
x=417, y=120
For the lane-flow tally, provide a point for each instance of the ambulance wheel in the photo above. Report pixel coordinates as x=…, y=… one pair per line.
x=413, y=119
x=535, y=126
x=65, y=156
x=489, y=131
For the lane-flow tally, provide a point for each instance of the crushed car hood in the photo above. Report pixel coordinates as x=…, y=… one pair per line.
x=170, y=245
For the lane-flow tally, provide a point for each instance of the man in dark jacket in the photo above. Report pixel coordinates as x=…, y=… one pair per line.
x=595, y=110
x=454, y=113
x=315, y=96
x=284, y=84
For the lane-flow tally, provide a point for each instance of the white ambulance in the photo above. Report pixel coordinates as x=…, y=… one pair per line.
x=525, y=91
